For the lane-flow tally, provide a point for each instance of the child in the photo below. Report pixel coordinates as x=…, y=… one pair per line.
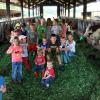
x=14, y=34
x=53, y=48
x=71, y=46
x=63, y=49
x=2, y=85
x=41, y=29
x=49, y=74
x=33, y=35
x=24, y=44
x=64, y=28
x=39, y=62
x=67, y=48
x=16, y=50
x=43, y=45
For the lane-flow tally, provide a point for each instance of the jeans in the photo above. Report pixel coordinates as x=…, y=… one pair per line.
x=17, y=71
x=48, y=80
x=1, y=95
x=66, y=56
x=38, y=68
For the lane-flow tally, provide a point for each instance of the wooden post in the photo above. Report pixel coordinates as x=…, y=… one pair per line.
x=22, y=14
x=74, y=8
x=29, y=8
x=41, y=10
x=84, y=9
x=58, y=10
x=8, y=10
x=68, y=8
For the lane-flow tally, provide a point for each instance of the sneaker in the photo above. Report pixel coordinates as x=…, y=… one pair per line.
x=47, y=85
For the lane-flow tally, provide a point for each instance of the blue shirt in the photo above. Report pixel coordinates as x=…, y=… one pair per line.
x=1, y=81
x=43, y=46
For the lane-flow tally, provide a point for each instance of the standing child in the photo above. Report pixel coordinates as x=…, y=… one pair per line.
x=24, y=44
x=16, y=50
x=49, y=74
x=2, y=85
x=39, y=62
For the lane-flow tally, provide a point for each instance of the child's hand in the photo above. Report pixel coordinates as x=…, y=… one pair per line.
x=3, y=89
x=57, y=50
x=49, y=50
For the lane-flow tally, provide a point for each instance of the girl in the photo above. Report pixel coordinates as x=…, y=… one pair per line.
x=39, y=62
x=16, y=50
x=24, y=44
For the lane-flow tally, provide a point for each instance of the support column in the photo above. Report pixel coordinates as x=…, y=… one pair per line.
x=58, y=11
x=33, y=10
x=74, y=8
x=68, y=8
x=8, y=10
x=41, y=10
x=65, y=8
x=84, y=9
x=36, y=10
x=29, y=8
x=22, y=14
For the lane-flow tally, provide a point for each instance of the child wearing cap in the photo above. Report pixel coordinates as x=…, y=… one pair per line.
x=49, y=74
x=39, y=62
x=24, y=45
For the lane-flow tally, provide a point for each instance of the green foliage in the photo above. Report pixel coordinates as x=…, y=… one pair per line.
x=79, y=81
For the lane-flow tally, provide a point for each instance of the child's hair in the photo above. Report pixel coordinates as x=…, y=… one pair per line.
x=63, y=21
x=56, y=20
x=53, y=35
x=39, y=51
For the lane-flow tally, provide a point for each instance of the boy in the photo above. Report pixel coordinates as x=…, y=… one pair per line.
x=53, y=48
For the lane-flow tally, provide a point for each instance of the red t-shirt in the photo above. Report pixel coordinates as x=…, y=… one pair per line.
x=40, y=60
x=50, y=71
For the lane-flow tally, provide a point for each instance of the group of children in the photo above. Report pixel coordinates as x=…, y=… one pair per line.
x=33, y=38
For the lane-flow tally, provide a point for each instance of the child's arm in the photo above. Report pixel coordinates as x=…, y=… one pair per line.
x=49, y=49
x=9, y=51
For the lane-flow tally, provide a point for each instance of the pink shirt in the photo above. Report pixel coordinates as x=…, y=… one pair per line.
x=16, y=53
x=64, y=30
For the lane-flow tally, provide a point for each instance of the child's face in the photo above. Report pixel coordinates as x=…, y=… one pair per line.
x=16, y=42
x=24, y=40
x=44, y=41
x=63, y=40
x=70, y=38
x=53, y=39
x=32, y=27
x=49, y=65
x=39, y=53
x=54, y=22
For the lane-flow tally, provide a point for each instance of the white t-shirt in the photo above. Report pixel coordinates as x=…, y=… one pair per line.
x=56, y=29
x=71, y=46
x=25, y=49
